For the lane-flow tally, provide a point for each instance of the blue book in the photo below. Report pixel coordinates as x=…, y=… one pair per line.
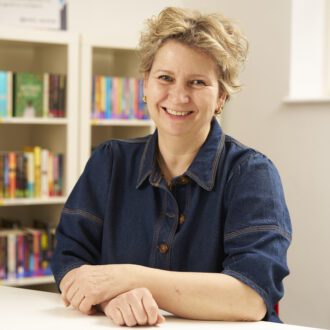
x=4, y=102
x=108, y=93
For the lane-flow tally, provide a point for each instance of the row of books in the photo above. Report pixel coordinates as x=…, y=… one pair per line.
x=118, y=98
x=33, y=172
x=31, y=95
x=26, y=251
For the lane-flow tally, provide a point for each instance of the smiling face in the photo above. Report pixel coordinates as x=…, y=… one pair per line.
x=182, y=90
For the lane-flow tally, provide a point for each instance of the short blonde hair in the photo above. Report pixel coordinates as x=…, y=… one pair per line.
x=212, y=34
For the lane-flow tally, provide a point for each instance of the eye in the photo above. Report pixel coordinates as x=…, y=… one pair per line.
x=198, y=82
x=165, y=77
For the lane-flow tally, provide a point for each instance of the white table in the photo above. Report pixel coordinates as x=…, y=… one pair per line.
x=36, y=310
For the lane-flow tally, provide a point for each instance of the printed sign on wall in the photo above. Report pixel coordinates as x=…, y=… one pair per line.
x=45, y=14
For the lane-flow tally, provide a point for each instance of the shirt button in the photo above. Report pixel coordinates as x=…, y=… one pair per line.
x=183, y=180
x=181, y=219
x=163, y=248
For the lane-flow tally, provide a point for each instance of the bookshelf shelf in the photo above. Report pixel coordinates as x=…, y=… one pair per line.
x=34, y=121
x=26, y=281
x=32, y=201
x=35, y=37
x=41, y=52
x=121, y=122
x=106, y=57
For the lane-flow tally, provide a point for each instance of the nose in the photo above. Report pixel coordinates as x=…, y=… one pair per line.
x=179, y=93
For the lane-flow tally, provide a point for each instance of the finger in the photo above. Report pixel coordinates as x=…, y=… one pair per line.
x=86, y=307
x=127, y=314
x=67, y=282
x=151, y=308
x=65, y=301
x=138, y=310
x=66, y=287
x=160, y=319
x=77, y=299
x=115, y=315
x=71, y=293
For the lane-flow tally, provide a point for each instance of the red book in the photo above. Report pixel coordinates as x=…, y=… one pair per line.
x=12, y=174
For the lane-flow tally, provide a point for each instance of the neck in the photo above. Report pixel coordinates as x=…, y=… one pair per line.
x=176, y=153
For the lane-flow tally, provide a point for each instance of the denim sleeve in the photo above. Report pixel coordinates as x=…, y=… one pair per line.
x=257, y=230
x=79, y=233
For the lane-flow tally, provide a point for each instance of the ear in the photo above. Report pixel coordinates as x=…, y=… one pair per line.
x=222, y=99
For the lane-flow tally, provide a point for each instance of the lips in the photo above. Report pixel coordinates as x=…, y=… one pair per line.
x=177, y=113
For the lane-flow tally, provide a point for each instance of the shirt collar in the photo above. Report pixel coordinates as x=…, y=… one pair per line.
x=202, y=170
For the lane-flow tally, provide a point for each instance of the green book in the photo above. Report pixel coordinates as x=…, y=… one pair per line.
x=28, y=95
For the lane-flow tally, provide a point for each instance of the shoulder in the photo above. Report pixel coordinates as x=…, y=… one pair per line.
x=244, y=159
x=114, y=147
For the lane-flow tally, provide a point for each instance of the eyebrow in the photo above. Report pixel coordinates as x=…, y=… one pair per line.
x=196, y=75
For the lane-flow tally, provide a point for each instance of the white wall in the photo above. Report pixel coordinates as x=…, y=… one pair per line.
x=295, y=137
x=102, y=17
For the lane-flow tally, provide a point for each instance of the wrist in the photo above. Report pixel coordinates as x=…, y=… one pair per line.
x=134, y=276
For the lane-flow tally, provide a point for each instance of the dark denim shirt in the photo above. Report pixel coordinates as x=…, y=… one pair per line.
x=225, y=214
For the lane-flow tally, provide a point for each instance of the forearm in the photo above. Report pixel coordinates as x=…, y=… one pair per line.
x=204, y=296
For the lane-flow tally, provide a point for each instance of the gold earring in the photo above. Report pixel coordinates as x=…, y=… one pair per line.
x=144, y=98
x=218, y=110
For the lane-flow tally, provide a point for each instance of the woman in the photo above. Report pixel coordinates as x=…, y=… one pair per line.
x=188, y=219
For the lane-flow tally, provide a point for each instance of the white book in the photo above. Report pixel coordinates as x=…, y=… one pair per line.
x=44, y=173
x=46, y=95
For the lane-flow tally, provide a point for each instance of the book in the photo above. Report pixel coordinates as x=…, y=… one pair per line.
x=3, y=256
x=62, y=96
x=44, y=156
x=33, y=172
x=37, y=171
x=118, y=98
x=12, y=162
x=2, y=170
x=46, y=95
x=29, y=173
x=28, y=95
x=5, y=94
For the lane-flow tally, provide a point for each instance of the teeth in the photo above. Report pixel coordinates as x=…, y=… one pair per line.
x=177, y=113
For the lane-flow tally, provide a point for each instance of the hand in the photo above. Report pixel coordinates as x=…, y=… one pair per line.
x=88, y=285
x=135, y=307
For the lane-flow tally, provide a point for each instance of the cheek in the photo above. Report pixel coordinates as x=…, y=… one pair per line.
x=154, y=92
x=207, y=101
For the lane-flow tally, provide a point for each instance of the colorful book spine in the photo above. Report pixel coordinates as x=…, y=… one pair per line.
x=6, y=175
x=20, y=255
x=26, y=252
x=2, y=175
x=118, y=98
x=3, y=256
x=12, y=174
x=30, y=95
x=44, y=190
x=62, y=96
x=37, y=171
x=11, y=251
x=108, y=102
x=30, y=185
x=31, y=173
x=6, y=90
x=46, y=95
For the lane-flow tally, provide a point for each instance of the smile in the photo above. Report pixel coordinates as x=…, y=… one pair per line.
x=177, y=113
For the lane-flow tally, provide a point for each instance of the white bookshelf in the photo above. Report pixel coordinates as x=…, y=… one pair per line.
x=28, y=281
x=113, y=57
x=34, y=121
x=37, y=51
x=32, y=201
